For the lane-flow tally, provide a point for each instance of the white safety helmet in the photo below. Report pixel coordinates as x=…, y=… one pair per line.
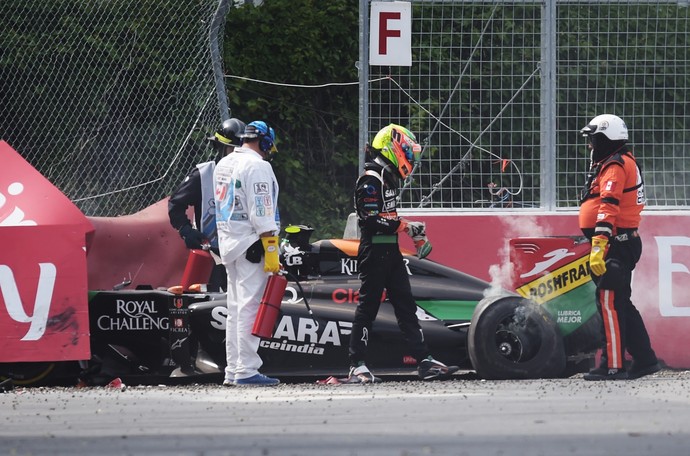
x=609, y=125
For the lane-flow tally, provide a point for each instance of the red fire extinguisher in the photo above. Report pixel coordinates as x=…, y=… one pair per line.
x=269, y=307
x=198, y=268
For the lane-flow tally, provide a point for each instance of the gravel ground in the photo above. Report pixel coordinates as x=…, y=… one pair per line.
x=647, y=416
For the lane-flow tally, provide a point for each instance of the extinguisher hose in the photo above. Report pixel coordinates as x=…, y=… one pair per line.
x=304, y=296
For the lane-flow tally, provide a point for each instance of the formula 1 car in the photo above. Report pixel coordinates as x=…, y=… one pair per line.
x=155, y=335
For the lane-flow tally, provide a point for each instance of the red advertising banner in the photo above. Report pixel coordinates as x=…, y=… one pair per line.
x=43, y=291
x=44, y=313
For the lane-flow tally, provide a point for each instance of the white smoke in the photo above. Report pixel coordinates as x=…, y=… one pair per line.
x=524, y=226
x=516, y=226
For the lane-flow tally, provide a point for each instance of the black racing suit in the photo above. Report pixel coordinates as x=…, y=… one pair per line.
x=381, y=264
x=188, y=193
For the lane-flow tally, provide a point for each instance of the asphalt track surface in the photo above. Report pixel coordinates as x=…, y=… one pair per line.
x=648, y=416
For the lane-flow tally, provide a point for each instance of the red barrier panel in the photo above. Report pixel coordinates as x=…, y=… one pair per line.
x=43, y=292
x=478, y=244
x=141, y=247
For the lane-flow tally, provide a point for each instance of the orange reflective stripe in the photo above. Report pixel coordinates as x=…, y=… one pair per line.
x=611, y=329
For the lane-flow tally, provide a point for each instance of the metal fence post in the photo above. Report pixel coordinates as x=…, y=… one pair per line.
x=548, y=107
x=215, y=36
x=363, y=66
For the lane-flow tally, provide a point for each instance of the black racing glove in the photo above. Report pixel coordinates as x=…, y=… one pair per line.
x=192, y=238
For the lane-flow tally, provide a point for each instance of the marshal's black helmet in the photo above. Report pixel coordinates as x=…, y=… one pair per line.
x=229, y=133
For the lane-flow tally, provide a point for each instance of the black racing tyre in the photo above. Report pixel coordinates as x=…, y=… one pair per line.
x=514, y=338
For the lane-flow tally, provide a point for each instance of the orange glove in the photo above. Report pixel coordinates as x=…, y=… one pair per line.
x=597, y=257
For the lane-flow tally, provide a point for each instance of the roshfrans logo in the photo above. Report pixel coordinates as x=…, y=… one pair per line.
x=133, y=316
x=551, y=258
x=558, y=282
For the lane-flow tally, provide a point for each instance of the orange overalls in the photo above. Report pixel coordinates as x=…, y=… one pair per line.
x=611, y=203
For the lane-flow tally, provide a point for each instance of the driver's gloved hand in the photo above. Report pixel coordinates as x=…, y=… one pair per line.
x=413, y=229
x=423, y=246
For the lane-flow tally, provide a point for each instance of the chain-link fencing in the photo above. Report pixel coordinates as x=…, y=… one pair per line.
x=113, y=100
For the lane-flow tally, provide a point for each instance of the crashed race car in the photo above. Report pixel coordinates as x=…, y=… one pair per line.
x=149, y=335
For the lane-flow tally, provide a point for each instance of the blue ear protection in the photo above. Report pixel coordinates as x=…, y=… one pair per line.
x=266, y=142
x=260, y=129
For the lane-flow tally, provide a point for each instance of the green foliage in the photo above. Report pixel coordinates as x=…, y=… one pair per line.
x=306, y=42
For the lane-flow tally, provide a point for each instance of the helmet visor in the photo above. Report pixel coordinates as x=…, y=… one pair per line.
x=222, y=139
x=412, y=151
x=588, y=130
x=407, y=152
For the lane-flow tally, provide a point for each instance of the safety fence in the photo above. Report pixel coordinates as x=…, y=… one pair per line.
x=498, y=91
x=111, y=101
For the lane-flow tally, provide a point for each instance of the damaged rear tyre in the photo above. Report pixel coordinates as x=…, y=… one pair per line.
x=514, y=338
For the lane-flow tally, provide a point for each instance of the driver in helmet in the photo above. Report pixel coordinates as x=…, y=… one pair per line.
x=197, y=190
x=393, y=153
x=612, y=200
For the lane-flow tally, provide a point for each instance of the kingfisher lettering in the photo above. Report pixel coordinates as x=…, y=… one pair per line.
x=348, y=266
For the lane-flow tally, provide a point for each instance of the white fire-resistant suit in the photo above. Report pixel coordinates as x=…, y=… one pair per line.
x=246, y=194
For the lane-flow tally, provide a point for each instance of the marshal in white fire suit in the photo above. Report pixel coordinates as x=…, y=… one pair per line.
x=246, y=195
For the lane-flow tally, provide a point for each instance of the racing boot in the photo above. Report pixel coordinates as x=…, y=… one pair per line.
x=604, y=373
x=431, y=369
x=638, y=369
x=361, y=374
